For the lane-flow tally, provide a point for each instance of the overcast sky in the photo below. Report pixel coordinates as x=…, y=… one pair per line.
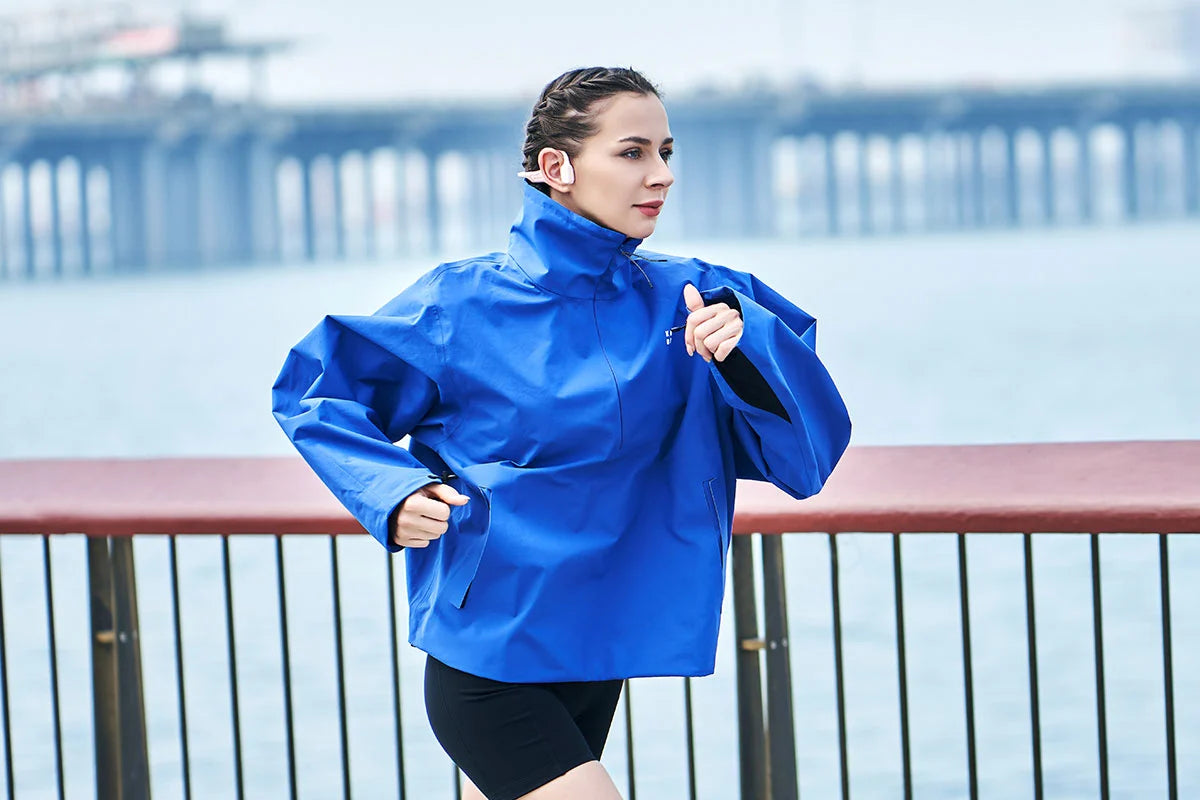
x=354, y=50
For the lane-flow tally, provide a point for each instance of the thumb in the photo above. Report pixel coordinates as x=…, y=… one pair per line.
x=692, y=298
x=447, y=494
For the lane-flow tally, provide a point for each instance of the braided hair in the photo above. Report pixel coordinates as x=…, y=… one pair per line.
x=563, y=117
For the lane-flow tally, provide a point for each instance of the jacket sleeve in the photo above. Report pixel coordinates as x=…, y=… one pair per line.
x=790, y=425
x=349, y=389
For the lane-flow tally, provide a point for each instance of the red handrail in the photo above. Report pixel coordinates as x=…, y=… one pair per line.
x=1090, y=487
x=1076, y=487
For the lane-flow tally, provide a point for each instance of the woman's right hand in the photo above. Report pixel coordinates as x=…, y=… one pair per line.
x=424, y=515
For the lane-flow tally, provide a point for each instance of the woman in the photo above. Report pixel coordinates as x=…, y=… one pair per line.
x=567, y=497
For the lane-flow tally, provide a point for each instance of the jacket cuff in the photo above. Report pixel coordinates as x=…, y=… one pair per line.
x=738, y=375
x=378, y=504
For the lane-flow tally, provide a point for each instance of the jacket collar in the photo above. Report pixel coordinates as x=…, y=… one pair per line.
x=566, y=253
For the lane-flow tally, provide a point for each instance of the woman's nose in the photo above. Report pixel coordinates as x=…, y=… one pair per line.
x=662, y=176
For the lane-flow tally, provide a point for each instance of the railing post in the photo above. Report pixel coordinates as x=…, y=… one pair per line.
x=751, y=734
x=106, y=718
x=122, y=770
x=780, y=724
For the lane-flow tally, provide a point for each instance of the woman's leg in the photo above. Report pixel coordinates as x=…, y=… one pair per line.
x=591, y=706
x=588, y=781
x=470, y=791
x=511, y=738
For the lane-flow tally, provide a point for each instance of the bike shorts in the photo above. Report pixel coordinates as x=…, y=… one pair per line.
x=511, y=738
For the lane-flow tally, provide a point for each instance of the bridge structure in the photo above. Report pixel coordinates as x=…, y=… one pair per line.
x=155, y=181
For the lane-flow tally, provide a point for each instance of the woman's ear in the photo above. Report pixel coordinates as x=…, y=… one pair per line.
x=555, y=166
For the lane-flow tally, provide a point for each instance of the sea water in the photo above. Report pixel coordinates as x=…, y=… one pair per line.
x=1015, y=336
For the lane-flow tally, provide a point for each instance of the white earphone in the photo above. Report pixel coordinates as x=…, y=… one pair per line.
x=537, y=176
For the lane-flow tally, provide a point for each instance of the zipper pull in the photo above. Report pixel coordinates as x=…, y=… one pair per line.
x=634, y=260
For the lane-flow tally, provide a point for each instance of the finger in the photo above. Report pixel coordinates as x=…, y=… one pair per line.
x=423, y=527
x=447, y=494
x=729, y=320
x=702, y=350
x=424, y=506
x=714, y=339
x=694, y=319
x=722, y=342
x=725, y=349
x=407, y=538
x=415, y=523
x=692, y=298
x=708, y=327
x=708, y=312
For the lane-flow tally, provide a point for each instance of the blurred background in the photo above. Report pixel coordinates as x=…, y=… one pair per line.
x=195, y=183
x=993, y=209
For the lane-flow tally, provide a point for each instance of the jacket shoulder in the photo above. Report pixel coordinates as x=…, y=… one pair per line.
x=443, y=283
x=703, y=274
x=466, y=267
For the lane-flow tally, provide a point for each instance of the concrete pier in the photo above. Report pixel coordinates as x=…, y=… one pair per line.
x=213, y=185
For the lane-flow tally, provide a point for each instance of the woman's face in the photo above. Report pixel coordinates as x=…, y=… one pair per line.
x=621, y=173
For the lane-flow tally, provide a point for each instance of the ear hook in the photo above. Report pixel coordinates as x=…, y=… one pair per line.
x=537, y=176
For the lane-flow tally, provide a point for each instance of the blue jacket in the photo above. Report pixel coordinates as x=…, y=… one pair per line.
x=599, y=458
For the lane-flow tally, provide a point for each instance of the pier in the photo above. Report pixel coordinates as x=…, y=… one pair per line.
x=146, y=180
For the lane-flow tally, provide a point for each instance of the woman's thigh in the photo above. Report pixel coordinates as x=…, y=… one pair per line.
x=588, y=781
x=592, y=706
x=512, y=738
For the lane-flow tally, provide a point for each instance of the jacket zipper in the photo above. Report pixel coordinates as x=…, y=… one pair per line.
x=604, y=352
x=613, y=373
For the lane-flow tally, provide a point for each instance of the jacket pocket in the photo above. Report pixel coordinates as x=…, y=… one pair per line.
x=718, y=517
x=470, y=534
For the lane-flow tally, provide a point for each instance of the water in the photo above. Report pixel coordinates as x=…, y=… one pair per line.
x=1053, y=335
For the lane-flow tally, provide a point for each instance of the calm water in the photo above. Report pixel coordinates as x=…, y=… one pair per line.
x=1030, y=336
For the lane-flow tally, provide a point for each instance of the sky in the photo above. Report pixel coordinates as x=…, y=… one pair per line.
x=370, y=50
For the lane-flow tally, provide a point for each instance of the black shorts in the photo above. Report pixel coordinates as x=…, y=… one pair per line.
x=511, y=738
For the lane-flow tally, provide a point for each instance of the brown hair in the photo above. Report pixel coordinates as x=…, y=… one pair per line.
x=563, y=116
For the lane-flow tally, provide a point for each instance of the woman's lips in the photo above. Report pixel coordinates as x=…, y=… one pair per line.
x=650, y=209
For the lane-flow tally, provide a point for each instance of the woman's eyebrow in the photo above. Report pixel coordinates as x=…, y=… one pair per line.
x=644, y=140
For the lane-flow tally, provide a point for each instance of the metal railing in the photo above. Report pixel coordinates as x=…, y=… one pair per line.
x=1090, y=489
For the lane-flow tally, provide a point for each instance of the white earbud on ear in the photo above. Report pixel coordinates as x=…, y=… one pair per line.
x=567, y=172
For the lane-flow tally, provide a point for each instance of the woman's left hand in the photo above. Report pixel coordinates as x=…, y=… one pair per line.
x=712, y=331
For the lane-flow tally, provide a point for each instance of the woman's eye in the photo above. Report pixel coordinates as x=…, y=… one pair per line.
x=635, y=154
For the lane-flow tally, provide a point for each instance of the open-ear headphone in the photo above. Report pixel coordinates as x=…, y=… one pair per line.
x=537, y=176
x=567, y=172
